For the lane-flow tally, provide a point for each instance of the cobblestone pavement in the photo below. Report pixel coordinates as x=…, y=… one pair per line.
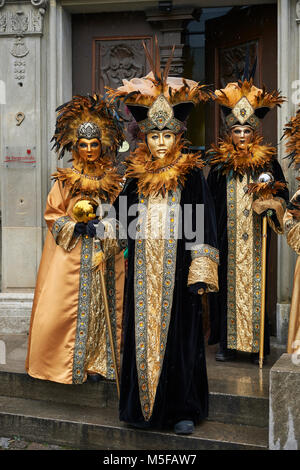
x=18, y=443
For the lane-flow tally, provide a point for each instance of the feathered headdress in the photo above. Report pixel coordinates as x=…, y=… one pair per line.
x=84, y=116
x=158, y=101
x=245, y=104
x=292, y=133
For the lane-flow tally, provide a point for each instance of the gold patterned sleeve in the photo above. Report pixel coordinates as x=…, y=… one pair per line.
x=204, y=267
x=65, y=237
x=292, y=231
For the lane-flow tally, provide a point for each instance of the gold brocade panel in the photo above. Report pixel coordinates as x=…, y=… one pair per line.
x=244, y=268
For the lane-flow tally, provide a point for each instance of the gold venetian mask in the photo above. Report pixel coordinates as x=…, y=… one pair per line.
x=89, y=150
x=160, y=142
x=242, y=136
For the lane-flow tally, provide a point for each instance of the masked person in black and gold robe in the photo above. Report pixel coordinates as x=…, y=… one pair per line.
x=68, y=337
x=236, y=163
x=163, y=375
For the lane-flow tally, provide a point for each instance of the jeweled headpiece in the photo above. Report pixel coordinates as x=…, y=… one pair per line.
x=244, y=104
x=157, y=101
x=87, y=117
x=88, y=130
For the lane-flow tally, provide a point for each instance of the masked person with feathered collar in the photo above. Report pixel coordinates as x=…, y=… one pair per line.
x=68, y=336
x=292, y=231
x=236, y=164
x=170, y=261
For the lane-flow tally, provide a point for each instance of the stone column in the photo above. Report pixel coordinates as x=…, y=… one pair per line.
x=37, y=65
x=284, y=404
x=171, y=26
x=288, y=83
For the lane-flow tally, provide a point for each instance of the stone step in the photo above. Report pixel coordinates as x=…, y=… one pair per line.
x=227, y=407
x=85, y=427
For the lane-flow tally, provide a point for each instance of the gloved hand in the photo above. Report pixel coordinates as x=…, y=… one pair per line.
x=194, y=288
x=79, y=229
x=91, y=229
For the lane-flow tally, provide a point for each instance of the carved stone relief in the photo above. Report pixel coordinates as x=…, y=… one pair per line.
x=19, y=50
x=23, y=22
x=117, y=60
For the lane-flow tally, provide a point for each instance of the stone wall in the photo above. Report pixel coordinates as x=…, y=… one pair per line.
x=284, y=411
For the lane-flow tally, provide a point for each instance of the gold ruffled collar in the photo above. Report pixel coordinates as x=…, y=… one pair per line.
x=163, y=174
x=233, y=162
x=102, y=181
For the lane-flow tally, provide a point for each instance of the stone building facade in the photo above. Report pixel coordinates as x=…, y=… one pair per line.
x=36, y=74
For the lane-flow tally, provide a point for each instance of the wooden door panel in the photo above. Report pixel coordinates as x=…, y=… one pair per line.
x=227, y=40
x=118, y=58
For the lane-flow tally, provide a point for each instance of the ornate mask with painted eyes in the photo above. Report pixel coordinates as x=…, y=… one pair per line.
x=89, y=150
x=160, y=142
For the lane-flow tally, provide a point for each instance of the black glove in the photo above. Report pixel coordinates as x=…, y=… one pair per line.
x=79, y=229
x=193, y=289
x=91, y=229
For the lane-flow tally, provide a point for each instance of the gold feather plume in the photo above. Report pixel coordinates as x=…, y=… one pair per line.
x=292, y=134
x=257, y=97
x=144, y=91
x=266, y=190
x=86, y=109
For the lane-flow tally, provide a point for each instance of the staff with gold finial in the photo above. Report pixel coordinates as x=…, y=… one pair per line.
x=83, y=211
x=264, y=189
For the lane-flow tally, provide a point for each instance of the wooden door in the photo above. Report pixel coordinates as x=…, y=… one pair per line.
x=107, y=48
x=245, y=30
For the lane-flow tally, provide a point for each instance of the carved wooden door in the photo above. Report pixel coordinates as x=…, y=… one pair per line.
x=107, y=48
x=245, y=31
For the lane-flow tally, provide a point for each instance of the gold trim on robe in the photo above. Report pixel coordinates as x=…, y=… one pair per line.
x=244, y=268
x=155, y=264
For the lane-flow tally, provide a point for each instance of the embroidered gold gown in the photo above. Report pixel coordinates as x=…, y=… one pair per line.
x=292, y=228
x=68, y=335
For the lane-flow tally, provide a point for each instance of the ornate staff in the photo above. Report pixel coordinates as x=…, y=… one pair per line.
x=83, y=211
x=108, y=323
x=263, y=188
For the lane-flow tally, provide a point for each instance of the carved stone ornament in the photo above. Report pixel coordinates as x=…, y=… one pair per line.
x=28, y=21
x=35, y=3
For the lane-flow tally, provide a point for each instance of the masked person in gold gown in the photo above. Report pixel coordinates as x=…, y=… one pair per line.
x=236, y=163
x=292, y=230
x=163, y=375
x=68, y=337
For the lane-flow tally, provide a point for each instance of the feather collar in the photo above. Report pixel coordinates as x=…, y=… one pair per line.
x=234, y=162
x=163, y=174
x=101, y=180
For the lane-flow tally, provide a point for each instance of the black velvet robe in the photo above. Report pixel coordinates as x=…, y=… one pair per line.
x=218, y=302
x=182, y=391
